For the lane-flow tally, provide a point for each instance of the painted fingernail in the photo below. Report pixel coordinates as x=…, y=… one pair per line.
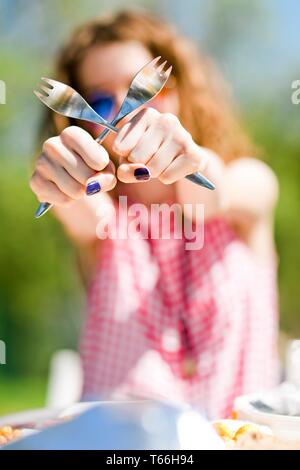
x=142, y=174
x=92, y=188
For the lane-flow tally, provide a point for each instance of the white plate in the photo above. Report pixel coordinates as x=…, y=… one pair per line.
x=38, y=416
x=29, y=417
x=81, y=407
x=284, y=427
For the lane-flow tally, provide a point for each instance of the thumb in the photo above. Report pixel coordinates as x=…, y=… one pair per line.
x=103, y=181
x=132, y=172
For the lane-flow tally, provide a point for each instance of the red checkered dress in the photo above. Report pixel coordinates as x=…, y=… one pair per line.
x=192, y=326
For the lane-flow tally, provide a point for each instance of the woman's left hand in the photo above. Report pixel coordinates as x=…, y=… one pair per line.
x=155, y=145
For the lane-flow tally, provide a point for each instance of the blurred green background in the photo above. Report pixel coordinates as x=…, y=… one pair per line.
x=256, y=45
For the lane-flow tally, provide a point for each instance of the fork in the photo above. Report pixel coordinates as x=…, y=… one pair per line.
x=66, y=101
x=146, y=84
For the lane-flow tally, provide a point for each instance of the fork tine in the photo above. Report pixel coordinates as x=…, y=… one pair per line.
x=40, y=96
x=49, y=81
x=45, y=89
x=147, y=68
x=160, y=68
x=167, y=73
x=152, y=63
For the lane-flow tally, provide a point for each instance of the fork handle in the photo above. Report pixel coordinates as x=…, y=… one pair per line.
x=200, y=180
x=42, y=209
x=102, y=136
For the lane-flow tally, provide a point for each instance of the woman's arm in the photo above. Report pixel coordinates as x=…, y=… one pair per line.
x=81, y=218
x=251, y=187
x=71, y=168
x=246, y=189
x=253, y=190
x=246, y=195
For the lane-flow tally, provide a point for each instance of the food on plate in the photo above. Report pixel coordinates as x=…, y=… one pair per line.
x=224, y=431
x=233, y=431
x=241, y=435
x=7, y=434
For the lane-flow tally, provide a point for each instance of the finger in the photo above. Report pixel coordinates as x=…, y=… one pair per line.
x=180, y=167
x=133, y=172
x=54, y=149
x=163, y=157
x=63, y=180
x=129, y=135
x=147, y=145
x=80, y=141
x=46, y=190
x=104, y=181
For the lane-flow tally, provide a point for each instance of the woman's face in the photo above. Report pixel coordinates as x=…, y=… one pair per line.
x=105, y=75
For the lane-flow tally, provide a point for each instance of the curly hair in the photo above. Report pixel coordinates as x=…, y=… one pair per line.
x=205, y=109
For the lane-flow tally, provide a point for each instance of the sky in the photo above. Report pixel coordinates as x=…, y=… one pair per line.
x=266, y=49
x=265, y=54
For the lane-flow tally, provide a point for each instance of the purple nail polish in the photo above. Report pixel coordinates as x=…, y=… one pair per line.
x=92, y=188
x=142, y=174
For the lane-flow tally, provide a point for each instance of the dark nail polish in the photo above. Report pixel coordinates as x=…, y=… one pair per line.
x=142, y=174
x=92, y=188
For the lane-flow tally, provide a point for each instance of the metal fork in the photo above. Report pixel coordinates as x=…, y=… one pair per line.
x=146, y=84
x=66, y=101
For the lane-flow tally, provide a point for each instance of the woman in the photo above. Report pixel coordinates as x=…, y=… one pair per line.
x=163, y=321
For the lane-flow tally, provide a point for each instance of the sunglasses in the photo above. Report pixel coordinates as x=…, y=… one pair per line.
x=104, y=104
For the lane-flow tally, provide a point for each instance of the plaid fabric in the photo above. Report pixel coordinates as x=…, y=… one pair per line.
x=193, y=326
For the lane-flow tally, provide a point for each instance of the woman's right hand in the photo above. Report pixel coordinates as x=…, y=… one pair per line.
x=71, y=165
